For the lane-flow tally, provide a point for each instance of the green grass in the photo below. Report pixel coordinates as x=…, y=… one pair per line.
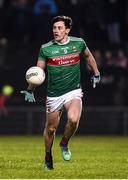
x=92, y=157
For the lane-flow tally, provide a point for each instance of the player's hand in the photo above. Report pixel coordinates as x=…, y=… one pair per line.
x=29, y=96
x=95, y=79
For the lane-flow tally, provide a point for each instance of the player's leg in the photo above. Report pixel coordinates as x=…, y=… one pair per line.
x=74, y=108
x=52, y=121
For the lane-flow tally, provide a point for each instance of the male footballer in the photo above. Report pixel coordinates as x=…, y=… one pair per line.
x=61, y=56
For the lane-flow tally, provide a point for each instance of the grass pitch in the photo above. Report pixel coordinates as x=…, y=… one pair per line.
x=92, y=157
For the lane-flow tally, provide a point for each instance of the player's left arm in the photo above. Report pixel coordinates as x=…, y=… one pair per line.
x=92, y=63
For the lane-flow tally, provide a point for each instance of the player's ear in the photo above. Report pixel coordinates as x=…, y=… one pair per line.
x=67, y=31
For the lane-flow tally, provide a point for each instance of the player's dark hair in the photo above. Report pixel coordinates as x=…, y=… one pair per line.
x=67, y=20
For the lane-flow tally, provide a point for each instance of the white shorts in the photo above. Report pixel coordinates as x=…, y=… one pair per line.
x=56, y=103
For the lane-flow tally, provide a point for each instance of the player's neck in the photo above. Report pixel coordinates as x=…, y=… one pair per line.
x=63, y=41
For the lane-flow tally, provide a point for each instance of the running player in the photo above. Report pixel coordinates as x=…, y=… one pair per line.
x=62, y=57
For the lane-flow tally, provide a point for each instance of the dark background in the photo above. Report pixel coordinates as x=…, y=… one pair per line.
x=103, y=24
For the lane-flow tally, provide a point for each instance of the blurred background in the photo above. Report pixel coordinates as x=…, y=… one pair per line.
x=103, y=24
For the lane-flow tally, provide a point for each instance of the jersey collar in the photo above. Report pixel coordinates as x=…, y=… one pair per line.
x=63, y=43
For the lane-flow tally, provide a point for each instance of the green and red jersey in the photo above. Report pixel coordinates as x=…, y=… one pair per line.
x=63, y=65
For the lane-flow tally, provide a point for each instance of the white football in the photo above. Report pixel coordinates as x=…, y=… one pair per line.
x=35, y=75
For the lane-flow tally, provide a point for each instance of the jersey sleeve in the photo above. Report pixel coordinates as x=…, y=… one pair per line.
x=84, y=45
x=41, y=55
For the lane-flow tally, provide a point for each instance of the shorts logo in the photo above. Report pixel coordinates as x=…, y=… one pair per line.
x=48, y=110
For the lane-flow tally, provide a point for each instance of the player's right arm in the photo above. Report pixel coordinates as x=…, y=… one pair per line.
x=29, y=93
x=41, y=64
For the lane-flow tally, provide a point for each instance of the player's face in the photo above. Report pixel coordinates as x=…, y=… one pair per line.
x=60, y=32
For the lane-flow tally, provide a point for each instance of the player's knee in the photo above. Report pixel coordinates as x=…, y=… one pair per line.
x=73, y=119
x=51, y=131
